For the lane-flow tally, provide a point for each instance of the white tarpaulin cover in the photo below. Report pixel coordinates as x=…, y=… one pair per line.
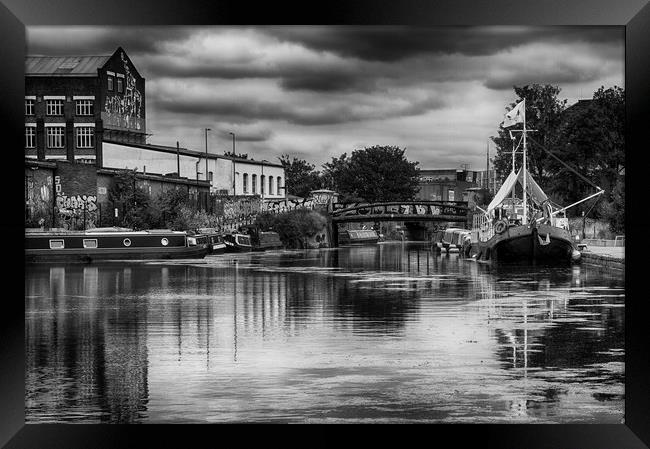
x=503, y=192
x=534, y=190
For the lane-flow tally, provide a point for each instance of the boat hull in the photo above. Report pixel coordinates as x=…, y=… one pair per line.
x=90, y=246
x=547, y=244
x=71, y=255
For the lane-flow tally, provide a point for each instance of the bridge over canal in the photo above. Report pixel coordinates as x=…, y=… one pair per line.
x=403, y=211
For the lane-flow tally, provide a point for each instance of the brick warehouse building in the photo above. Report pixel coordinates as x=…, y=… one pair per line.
x=72, y=103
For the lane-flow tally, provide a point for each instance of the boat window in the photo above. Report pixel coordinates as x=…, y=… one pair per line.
x=90, y=243
x=127, y=242
x=56, y=244
x=164, y=241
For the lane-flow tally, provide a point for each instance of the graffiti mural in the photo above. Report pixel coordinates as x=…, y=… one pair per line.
x=125, y=111
x=38, y=206
x=75, y=211
x=425, y=209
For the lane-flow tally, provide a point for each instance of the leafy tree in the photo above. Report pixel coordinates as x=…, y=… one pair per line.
x=294, y=227
x=592, y=139
x=374, y=174
x=236, y=155
x=300, y=176
x=134, y=201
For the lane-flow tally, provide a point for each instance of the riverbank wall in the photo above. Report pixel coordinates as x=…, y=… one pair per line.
x=605, y=256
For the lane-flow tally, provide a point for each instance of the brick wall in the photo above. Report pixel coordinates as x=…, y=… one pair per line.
x=75, y=192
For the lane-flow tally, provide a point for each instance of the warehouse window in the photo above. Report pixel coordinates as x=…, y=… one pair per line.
x=120, y=85
x=29, y=107
x=30, y=137
x=55, y=136
x=54, y=107
x=109, y=86
x=84, y=107
x=85, y=137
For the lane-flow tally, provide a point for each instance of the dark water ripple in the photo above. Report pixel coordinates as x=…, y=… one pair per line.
x=388, y=333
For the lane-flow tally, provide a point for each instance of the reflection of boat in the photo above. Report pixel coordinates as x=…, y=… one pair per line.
x=358, y=237
x=527, y=228
x=110, y=244
x=237, y=242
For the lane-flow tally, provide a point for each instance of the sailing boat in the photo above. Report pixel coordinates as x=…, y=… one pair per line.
x=529, y=228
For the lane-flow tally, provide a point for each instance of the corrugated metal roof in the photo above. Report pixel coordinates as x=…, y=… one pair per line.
x=64, y=65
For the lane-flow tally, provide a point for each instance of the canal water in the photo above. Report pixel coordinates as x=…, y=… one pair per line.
x=384, y=333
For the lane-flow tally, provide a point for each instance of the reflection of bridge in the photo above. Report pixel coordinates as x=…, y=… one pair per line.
x=400, y=211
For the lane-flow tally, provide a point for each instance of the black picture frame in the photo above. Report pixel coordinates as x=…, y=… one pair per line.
x=634, y=15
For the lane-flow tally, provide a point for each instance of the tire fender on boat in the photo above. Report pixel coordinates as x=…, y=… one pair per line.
x=500, y=226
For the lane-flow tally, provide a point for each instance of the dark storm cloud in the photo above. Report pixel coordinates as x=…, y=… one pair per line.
x=91, y=40
x=308, y=115
x=391, y=44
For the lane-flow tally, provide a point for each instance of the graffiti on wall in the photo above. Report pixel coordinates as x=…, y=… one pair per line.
x=37, y=201
x=75, y=211
x=278, y=206
x=125, y=111
x=425, y=209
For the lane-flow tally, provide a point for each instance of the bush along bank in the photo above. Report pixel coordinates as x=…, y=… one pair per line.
x=298, y=228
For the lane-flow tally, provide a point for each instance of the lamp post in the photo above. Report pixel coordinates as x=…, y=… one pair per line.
x=206, y=153
x=233, y=163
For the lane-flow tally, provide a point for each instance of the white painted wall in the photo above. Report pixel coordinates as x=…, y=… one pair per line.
x=259, y=170
x=124, y=156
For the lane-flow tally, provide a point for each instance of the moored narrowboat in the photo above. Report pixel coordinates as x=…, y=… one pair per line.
x=358, y=237
x=58, y=245
x=214, y=240
x=237, y=243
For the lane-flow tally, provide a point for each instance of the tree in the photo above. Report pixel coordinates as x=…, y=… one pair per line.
x=236, y=155
x=134, y=201
x=591, y=138
x=543, y=114
x=300, y=176
x=374, y=174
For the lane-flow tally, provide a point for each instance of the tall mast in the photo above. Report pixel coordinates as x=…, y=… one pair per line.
x=525, y=219
x=487, y=170
x=514, y=148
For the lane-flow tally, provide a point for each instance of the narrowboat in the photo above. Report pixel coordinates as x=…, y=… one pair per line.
x=358, y=237
x=58, y=245
x=237, y=243
x=455, y=239
x=214, y=240
x=262, y=240
x=526, y=227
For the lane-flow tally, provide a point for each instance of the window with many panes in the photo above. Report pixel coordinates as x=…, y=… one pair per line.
x=120, y=85
x=85, y=137
x=254, y=184
x=110, y=83
x=55, y=136
x=245, y=182
x=84, y=107
x=30, y=137
x=29, y=107
x=54, y=107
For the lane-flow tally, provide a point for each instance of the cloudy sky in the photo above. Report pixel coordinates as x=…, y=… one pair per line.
x=316, y=92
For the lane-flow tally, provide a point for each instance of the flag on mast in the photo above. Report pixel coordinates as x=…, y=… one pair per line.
x=514, y=116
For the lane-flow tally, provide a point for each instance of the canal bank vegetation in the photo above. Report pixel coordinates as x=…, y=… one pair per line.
x=588, y=136
x=174, y=209
x=298, y=228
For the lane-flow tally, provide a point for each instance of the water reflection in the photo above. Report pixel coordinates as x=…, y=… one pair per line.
x=379, y=333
